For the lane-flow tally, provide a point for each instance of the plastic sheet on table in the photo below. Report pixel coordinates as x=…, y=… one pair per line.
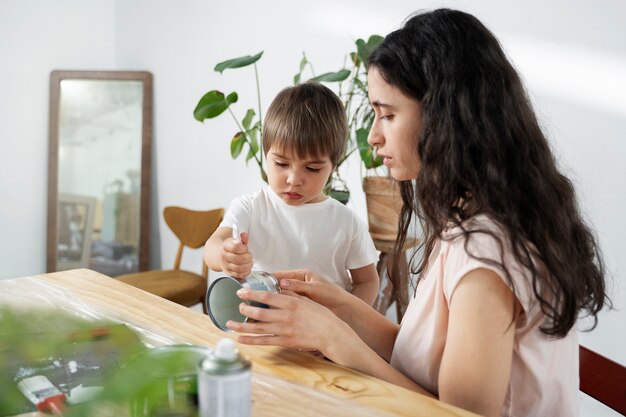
x=29, y=294
x=268, y=392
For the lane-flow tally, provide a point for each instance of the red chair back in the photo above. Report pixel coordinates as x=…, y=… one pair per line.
x=603, y=379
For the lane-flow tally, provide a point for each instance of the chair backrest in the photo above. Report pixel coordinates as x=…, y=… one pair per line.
x=603, y=379
x=193, y=228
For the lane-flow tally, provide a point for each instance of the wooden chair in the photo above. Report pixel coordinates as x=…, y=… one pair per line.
x=193, y=229
x=603, y=379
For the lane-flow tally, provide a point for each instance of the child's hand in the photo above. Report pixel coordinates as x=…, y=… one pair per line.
x=235, y=258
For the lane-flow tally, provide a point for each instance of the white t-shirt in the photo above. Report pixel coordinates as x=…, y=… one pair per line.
x=544, y=371
x=325, y=237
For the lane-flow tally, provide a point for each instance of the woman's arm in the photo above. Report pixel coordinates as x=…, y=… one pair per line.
x=372, y=327
x=349, y=350
x=299, y=322
x=476, y=363
x=365, y=283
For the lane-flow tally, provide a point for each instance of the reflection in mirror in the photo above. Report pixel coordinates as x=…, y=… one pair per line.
x=99, y=179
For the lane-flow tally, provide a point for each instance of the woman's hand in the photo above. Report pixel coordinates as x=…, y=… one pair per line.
x=316, y=288
x=292, y=321
x=296, y=321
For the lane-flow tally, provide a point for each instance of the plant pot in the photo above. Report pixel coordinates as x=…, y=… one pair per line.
x=382, y=195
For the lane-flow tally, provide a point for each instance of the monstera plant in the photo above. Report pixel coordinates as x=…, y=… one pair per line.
x=351, y=86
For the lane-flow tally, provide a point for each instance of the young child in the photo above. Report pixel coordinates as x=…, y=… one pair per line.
x=291, y=223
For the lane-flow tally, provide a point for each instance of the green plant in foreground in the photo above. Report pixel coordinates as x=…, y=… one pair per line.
x=351, y=81
x=34, y=341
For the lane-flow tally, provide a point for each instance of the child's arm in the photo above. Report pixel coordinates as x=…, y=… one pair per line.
x=223, y=253
x=213, y=247
x=365, y=283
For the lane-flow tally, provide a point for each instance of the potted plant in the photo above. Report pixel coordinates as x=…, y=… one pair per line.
x=250, y=128
x=104, y=365
x=382, y=193
x=351, y=81
x=249, y=135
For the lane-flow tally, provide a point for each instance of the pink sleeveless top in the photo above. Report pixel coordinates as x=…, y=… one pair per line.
x=544, y=371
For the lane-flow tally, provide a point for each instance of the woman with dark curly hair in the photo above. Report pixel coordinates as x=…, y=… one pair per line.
x=508, y=266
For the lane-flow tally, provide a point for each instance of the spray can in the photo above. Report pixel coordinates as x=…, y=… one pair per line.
x=224, y=383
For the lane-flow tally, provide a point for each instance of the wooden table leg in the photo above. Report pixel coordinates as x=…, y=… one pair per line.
x=401, y=305
x=385, y=291
x=386, y=295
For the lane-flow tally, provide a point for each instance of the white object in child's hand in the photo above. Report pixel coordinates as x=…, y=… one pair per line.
x=236, y=235
x=41, y=392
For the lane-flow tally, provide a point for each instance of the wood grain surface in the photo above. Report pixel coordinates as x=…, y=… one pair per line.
x=286, y=382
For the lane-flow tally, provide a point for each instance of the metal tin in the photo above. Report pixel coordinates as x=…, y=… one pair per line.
x=224, y=383
x=181, y=384
x=222, y=301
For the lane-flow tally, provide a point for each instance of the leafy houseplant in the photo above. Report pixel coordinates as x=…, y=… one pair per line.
x=352, y=90
x=214, y=103
x=107, y=356
x=382, y=193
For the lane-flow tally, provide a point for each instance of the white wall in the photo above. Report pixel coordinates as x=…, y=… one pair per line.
x=571, y=54
x=36, y=37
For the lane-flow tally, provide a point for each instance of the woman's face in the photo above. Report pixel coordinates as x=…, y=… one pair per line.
x=396, y=127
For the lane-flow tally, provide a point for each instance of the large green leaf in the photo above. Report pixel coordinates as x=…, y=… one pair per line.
x=254, y=143
x=355, y=58
x=341, y=196
x=298, y=76
x=332, y=76
x=365, y=150
x=303, y=62
x=212, y=104
x=242, y=61
x=364, y=49
x=247, y=120
x=232, y=98
x=236, y=144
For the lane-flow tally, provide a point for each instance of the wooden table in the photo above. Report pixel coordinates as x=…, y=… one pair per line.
x=304, y=385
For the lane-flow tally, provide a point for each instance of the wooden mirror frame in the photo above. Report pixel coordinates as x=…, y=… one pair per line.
x=53, y=156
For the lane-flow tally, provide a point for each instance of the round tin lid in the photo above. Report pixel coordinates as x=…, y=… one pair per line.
x=223, y=303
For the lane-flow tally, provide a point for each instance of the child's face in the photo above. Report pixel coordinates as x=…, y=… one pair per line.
x=297, y=181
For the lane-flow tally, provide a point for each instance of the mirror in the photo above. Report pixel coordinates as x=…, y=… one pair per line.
x=99, y=171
